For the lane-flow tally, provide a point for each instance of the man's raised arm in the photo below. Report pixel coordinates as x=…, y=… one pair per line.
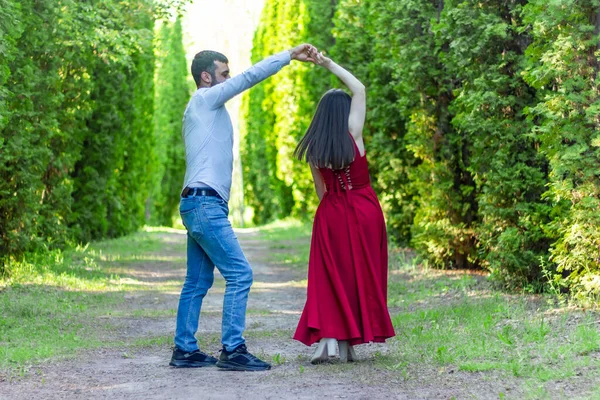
x=218, y=95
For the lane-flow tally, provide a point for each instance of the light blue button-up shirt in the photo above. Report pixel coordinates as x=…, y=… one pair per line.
x=207, y=128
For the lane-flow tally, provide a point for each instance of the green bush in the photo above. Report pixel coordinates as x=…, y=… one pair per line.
x=278, y=111
x=171, y=96
x=46, y=98
x=482, y=130
x=482, y=125
x=77, y=142
x=562, y=64
x=489, y=109
x=111, y=176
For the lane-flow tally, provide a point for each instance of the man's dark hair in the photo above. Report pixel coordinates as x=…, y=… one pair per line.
x=205, y=61
x=327, y=142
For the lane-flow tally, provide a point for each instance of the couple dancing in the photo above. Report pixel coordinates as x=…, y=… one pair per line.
x=347, y=272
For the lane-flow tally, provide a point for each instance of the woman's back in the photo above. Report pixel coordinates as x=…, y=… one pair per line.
x=355, y=176
x=347, y=268
x=347, y=271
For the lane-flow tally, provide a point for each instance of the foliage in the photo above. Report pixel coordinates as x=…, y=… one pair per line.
x=482, y=130
x=372, y=62
x=111, y=179
x=76, y=112
x=47, y=82
x=482, y=125
x=278, y=111
x=508, y=171
x=562, y=64
x=458, y=325
x=171, y=96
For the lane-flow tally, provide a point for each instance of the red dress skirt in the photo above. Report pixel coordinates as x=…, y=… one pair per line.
x=348, y=263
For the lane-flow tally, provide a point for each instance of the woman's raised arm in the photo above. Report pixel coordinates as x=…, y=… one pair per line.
x=358, y=108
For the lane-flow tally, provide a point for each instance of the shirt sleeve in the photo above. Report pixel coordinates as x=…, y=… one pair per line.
x=217, y=95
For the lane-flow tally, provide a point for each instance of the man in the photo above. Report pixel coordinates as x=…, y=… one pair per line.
x=208, y=137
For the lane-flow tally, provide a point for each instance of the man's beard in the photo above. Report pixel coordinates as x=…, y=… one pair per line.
x=214, y=79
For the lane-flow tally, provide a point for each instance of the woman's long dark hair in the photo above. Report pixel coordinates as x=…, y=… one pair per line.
x=327, y=142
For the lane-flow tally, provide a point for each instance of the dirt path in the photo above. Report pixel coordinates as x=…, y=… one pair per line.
x=276, y=300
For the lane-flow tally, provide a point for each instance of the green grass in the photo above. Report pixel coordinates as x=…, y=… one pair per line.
x=144, y=313
x=278, y=359
x=41, y=322
x=286, y=230
x=289, y=241
x=100, y=266
x=51, y=302
x=295, y=260
x=495, y=334
x=57, y=303
x=141, y=245
x=256, y=333
x=205, y=341
x=445, y=319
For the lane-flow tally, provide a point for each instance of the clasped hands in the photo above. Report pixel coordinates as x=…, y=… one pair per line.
x=309, y=53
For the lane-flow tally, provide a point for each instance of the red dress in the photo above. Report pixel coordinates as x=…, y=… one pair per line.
x=348, y=263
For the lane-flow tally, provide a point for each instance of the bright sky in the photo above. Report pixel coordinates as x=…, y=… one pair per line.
x=226, y=26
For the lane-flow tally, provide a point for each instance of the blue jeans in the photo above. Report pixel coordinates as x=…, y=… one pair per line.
x=211, y=242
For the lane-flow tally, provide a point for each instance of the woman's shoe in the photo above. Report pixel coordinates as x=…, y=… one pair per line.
x=325, y=349
x=347, y=353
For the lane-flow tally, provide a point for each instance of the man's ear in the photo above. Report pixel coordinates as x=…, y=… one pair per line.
x=205, y=76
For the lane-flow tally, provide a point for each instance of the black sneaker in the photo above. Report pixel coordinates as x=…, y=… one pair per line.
x=195, y=359
x=241, y=360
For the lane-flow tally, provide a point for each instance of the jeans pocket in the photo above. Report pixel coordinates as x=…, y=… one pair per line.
x=190, y=219
x=215, y=211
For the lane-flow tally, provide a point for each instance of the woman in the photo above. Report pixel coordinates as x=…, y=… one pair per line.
x=347, y=270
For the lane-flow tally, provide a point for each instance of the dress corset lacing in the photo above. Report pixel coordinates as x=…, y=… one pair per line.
x=343, y=179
